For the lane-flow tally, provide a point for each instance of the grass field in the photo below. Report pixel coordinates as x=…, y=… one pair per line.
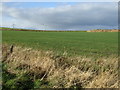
x=59, y=59
x=74, y=43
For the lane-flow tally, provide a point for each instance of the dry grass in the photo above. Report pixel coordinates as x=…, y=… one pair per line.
x=62, y=71
x=104, y=30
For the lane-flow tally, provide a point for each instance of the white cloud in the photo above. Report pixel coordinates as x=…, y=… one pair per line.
x=80, y=16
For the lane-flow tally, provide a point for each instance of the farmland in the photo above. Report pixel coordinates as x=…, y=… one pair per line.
x=59, y=45
x=59, y=59
x=73, y=43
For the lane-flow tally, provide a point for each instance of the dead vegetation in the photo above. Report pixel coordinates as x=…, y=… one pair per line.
x=62, y=71
x=104, y=30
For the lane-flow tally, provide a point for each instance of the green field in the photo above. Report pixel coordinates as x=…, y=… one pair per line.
x=91, y=60
x=74, y=43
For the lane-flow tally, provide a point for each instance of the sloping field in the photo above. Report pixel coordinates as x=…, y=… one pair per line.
x=72, y=43
x=60, y=60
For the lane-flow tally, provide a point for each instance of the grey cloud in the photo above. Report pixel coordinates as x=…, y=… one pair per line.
x=67, y=16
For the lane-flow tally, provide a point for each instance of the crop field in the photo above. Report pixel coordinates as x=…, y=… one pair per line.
x=73, y=43
x=75, y=60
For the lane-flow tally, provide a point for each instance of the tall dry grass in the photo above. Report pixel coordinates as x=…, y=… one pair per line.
x=62, y=71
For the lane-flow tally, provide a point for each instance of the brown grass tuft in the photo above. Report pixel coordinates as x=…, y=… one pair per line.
x=62, y=71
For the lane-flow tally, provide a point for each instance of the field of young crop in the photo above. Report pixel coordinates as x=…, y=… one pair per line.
x=59, y=59
x=73, y=43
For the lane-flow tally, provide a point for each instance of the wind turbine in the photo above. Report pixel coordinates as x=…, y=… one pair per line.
x=44, y=26
x=13, y=25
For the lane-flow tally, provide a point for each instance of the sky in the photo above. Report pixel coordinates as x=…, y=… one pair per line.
x=60, y=15
x=60, y=0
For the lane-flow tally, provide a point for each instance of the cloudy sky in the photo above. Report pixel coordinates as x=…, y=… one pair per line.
x=60, y=16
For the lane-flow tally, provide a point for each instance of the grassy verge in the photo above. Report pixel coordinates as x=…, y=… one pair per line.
x=29, y=68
